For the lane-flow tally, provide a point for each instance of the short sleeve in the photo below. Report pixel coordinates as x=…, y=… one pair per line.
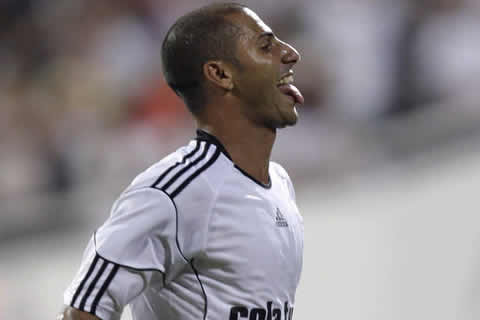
x=141, y=231
x=132, y=250
x=104, y=288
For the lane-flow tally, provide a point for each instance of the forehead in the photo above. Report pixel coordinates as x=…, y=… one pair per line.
x=250, y=23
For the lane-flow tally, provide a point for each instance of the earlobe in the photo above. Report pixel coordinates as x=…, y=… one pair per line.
x=218, y=74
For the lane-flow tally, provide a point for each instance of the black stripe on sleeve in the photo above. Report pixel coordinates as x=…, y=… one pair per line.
x=124, y=265
x=183, y=170
x=85, y=279
x=92, y=286
x=195, y=174
x=189, y=155
x=104, y=287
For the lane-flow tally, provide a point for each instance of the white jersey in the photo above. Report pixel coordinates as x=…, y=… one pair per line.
x=195, y=237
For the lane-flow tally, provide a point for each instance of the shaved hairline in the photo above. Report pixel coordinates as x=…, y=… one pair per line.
x=205, y=34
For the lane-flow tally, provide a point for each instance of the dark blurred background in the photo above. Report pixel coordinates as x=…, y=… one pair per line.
x=384, y=152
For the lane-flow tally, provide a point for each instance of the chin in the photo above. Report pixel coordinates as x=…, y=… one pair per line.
x=291, y=118
x=286, y=116
x=287, y=122
x=292, y=122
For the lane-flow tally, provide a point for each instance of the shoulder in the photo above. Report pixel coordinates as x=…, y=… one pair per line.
x=153, y=175
x=277, y=172
x=189, y=177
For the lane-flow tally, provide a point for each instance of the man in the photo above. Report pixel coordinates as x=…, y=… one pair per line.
x=212, y=231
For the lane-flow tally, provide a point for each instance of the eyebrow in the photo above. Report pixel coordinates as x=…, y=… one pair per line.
x=266, y=34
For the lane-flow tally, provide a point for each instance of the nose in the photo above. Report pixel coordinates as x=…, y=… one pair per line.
x=290, y=55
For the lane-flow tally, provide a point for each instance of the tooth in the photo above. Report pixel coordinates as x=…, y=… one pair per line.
x=286, y=80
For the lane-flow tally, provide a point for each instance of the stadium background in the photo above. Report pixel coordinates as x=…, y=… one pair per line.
x=385, y=157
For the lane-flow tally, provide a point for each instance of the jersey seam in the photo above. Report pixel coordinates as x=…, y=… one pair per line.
x=176, y=223
x=190, y=262
x=205, y=309
x=216, y=192
x=205, y=245
x=119, y=264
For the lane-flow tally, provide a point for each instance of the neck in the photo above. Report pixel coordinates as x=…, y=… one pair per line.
x=249, y=147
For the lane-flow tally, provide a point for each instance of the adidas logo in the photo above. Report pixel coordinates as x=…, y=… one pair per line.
x=280, y=220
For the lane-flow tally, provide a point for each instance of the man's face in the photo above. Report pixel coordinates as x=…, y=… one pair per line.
x=265, y=80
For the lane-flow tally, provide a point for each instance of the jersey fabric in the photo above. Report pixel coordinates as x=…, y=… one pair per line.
x=195, y=237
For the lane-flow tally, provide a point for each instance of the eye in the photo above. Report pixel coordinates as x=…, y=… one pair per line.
x=267, y=46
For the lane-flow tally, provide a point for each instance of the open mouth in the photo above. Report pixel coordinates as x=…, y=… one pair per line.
x=285, y=84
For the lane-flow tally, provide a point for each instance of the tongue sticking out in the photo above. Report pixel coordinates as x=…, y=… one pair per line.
x=293, y=92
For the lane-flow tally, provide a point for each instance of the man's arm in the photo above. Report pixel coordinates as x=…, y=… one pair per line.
x=70, y=313
x=123, y=257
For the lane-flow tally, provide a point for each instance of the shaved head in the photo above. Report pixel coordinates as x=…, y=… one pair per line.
x=195, y=38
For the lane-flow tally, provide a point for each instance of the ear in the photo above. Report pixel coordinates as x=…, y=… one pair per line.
x=219, y=74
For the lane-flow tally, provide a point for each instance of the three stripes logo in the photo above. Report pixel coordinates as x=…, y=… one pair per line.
x=181, y=174
x=94, y=284
x=280, y=220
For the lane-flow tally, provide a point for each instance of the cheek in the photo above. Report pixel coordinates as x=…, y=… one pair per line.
x=265, y=82
x=257, y=86
x=257, y=80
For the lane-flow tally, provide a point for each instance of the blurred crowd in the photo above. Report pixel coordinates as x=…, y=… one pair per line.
x=84, y=108
x=82, y=95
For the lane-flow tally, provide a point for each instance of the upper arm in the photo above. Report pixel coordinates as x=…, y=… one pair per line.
x=103, y=288
x=131, y=251
x=140, y=232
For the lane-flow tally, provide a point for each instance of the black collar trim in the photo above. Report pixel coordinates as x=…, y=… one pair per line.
x=263, y=185
x=205, y=136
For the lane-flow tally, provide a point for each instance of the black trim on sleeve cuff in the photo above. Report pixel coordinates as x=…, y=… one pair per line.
x=119, y=264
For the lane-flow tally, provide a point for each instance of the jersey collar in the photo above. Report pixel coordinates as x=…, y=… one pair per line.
x=205, y=136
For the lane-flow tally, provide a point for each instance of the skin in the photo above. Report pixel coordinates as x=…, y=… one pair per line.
x=244, y=106
x=73, y=314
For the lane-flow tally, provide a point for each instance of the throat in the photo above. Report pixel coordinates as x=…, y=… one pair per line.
x=253, y=161
x=248, y=145
x=248, y=149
